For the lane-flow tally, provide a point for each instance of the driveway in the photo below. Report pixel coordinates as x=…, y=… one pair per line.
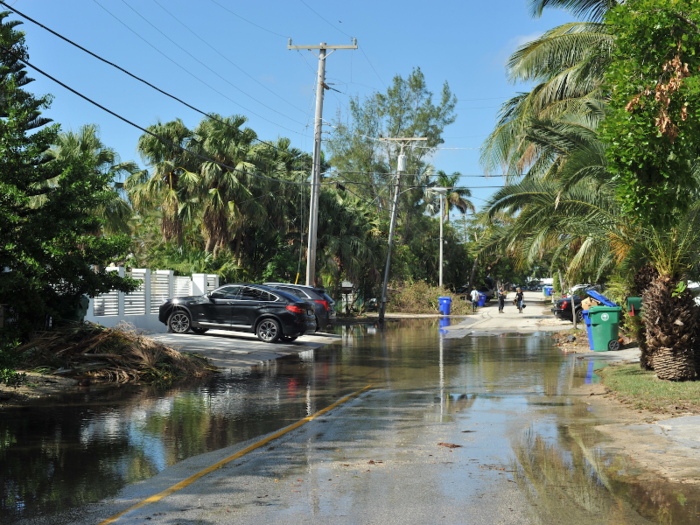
x=239, y=349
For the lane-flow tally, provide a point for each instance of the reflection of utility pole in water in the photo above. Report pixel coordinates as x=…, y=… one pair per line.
x=442, y=375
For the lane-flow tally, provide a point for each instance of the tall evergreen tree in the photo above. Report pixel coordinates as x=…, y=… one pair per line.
x=47, y=244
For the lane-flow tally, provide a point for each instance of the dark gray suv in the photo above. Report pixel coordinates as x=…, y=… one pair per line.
x=324, y=306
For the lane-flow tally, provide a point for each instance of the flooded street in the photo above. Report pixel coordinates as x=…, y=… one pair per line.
x=528, y=450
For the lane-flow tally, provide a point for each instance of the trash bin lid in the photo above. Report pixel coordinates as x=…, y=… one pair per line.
x=595, y=309
x=601, y=298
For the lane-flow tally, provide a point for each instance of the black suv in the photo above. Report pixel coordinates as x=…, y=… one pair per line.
x=562, y=309
x=271, y=314
x=324, y=306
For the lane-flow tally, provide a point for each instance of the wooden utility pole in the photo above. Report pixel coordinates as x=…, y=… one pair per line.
x=400, y=168
x=316, y=173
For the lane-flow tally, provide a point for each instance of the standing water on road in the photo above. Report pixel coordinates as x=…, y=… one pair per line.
x=506, y=397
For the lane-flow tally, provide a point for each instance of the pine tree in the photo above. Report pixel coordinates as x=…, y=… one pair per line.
x=47, y=242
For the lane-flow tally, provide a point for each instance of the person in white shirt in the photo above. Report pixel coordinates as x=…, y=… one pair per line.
x=475, y=299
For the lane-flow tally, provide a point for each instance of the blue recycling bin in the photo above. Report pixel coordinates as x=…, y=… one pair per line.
x=587, y=320
x=548, y=290
x=445, y=305
x=586, y=314
x=482, y=299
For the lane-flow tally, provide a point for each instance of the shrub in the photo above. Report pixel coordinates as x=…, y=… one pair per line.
x=420, y=298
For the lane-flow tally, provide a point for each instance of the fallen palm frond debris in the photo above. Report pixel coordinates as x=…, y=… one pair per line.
x=119, y=354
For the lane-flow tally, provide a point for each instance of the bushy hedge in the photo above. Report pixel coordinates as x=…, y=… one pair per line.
x=420, y=298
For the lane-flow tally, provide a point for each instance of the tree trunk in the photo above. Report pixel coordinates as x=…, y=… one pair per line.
x=672, y=329
x=211, y=242
x=642, y=280
x=473, y=274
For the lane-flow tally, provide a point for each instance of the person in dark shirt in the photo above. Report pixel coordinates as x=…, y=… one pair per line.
x=501, y=300
x=519, y=299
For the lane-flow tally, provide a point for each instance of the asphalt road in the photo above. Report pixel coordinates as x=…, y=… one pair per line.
x=373, y=460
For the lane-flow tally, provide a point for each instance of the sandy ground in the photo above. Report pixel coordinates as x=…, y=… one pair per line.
x=36, y=387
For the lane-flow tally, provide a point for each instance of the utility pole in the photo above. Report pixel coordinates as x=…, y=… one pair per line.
x=316, y=173
x=400, y=168
x=441, y=192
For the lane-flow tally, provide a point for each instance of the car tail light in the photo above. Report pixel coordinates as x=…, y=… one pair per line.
x=295, y=309
x=564, y=305
x=325, y=304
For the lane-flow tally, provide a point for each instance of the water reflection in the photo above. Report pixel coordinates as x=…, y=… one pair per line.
x=85, y=447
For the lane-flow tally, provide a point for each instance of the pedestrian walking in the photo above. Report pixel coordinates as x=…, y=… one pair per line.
x=475, y=299
x=501, y=300
x=519, y=299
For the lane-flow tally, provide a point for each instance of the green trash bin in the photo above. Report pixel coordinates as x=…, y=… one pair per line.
x=605, y=324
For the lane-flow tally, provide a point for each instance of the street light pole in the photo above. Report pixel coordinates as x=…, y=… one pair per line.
x=442, y=212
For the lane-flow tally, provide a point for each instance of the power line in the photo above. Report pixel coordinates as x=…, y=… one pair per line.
x=403, y=174
x=347, y=35
x=144, y=130
x=246, y=20
x=372, y=66
x=187, y=71
x=206, y=66
x=134, y=76
x=326, y=21
x=225, y=57
x=415, y=147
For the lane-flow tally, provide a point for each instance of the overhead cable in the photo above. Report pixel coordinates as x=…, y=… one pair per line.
x=134, y=76
x=206, y=66
x=347, y=35
x=225, y=57
x=246, y=20
x=155, y=135
x=379, y=139
x=187, y=71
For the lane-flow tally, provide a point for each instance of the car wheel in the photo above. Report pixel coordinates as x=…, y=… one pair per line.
x=179, y=322
x=268, y=330
x=579, y=316
x=288, y=338
x=200, y=331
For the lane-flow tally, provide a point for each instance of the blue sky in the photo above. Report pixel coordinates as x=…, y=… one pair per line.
x=243, y=65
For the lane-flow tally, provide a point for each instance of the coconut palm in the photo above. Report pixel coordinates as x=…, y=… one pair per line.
x=573, y=213
x=86, y=145
x=567, y=65
x=158, y=189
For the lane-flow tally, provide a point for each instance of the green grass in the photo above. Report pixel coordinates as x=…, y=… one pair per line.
x=643, y=390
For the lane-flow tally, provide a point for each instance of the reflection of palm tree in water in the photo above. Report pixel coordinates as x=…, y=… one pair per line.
x=567, y=482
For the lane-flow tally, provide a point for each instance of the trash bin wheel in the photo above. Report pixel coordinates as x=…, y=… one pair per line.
x=614, y=345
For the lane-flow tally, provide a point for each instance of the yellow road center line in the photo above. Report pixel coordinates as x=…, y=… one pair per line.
x=194, y=477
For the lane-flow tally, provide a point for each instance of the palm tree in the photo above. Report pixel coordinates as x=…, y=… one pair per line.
x=159, y=189
x=225, y=199
x=573, y=214
x=567, y=65
x=86, y=145
x=457, y=197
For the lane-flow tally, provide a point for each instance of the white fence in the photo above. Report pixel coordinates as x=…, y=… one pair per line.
x=140, y=307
